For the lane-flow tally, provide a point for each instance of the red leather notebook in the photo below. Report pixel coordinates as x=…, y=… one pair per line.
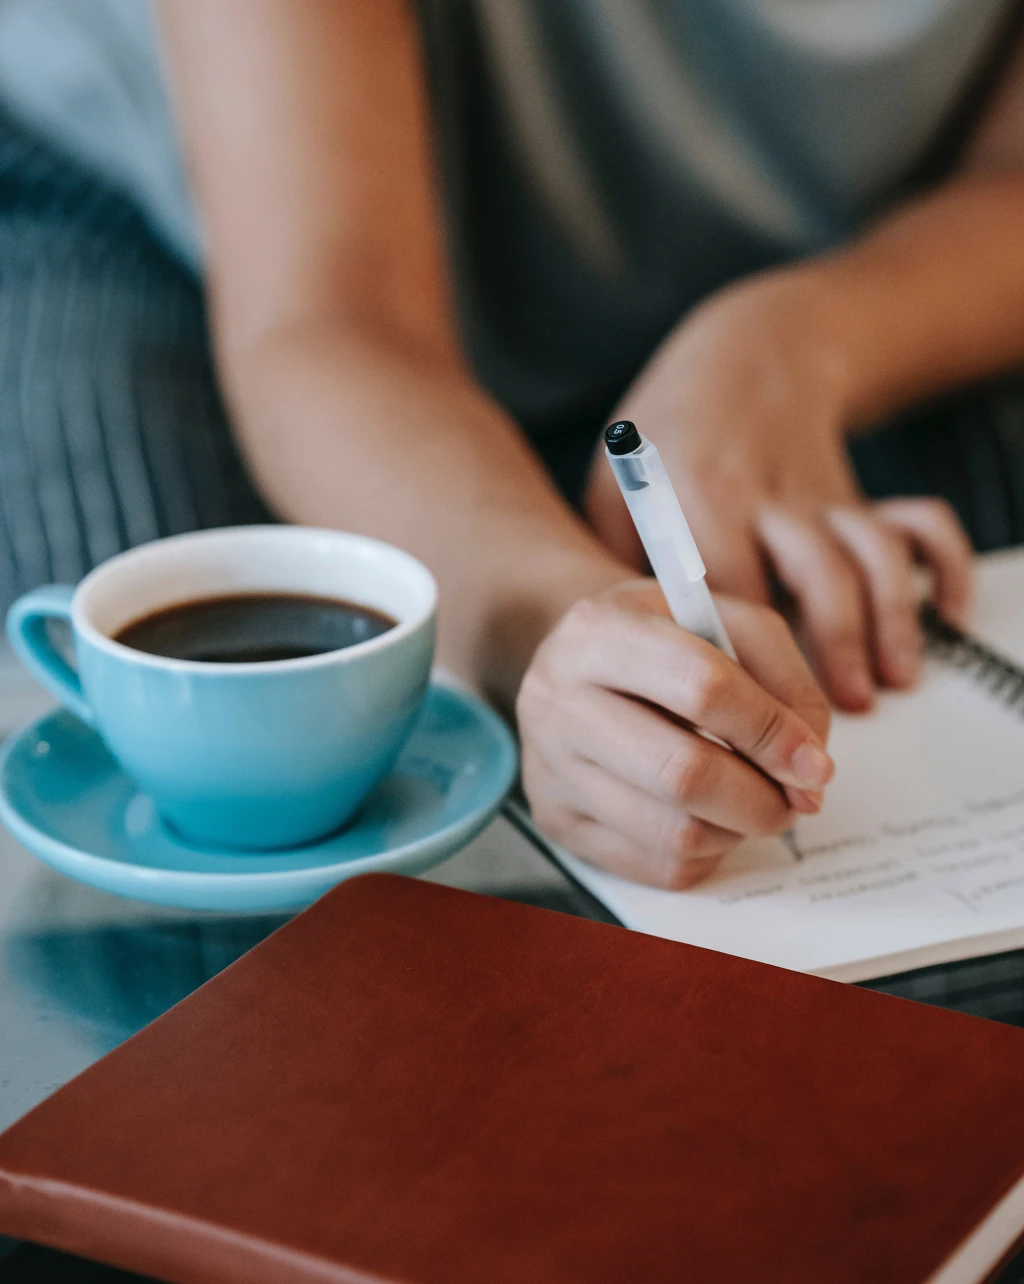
x=410, y=1083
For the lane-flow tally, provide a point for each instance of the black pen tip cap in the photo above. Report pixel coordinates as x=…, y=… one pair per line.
x=621, y=438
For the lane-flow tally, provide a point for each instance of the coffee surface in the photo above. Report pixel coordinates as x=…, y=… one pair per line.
x=245, y=628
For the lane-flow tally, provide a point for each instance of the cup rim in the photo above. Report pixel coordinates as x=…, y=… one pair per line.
x=82, y=626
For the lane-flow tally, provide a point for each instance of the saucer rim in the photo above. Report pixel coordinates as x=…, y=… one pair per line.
x=429, y=849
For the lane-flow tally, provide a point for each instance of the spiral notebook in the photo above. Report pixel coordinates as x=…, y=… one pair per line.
x=918, y=854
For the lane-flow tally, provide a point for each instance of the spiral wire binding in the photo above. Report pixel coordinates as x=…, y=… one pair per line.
x=997, y=673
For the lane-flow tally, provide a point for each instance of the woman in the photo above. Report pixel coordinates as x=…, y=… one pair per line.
x=443, y=243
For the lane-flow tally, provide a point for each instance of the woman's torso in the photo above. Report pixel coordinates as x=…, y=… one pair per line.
x=605, y=163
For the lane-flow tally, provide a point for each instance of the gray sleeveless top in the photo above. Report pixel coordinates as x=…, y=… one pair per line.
x=605, y=163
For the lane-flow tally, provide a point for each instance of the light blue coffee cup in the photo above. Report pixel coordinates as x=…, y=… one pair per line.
x=254, y=755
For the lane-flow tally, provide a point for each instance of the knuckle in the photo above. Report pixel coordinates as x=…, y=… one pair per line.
x=940, y=510
x=705, y=687
x=937, y=513
x=947, y=518
x=682, y=838
x=584, y=616
x=676, y=874
x=841, y=584
x=902, y=609
x=894, y=552
x=772, y=727
x=684, y=773
x=842, y=635
x=553, y=820
x=537, y=698
x=823, y=557
x=895, y=558
x=897, y=596
x=589, y=631
x=566, y=648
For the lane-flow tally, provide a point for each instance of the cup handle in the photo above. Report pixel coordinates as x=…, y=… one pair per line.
x=26, y=629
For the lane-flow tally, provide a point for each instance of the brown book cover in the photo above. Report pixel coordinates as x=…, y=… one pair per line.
x=410, y=1083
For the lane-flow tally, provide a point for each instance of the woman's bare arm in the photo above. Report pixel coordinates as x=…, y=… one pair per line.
x=307, y=133
x=306, y=123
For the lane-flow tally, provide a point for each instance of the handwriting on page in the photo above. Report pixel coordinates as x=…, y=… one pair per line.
x=973, y=853
x=918, y=853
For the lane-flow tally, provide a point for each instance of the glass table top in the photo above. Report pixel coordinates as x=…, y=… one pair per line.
x=81, y=970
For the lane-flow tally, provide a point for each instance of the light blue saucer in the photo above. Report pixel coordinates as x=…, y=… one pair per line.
x=66, y=799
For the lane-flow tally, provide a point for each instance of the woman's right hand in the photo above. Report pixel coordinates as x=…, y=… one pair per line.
x=613, y=767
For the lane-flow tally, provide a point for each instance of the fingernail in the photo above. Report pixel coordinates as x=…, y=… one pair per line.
x=807, y=801
x=812, y=766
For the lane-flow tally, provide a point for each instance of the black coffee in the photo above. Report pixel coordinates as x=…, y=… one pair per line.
x=247, y=627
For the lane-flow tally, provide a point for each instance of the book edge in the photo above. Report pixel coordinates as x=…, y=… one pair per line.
x=989, y=1246
x=138, y=1237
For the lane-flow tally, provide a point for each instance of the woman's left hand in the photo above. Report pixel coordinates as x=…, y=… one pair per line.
x=749, y=401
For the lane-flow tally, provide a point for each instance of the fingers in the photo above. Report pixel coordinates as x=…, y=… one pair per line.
x=601, y=818
x=768, y=651
x=831, y=601
x=852, y=575
x=620, y=855
x=665, y=831
x=670, y=765
x=612, y=766
x=739, y=569
x=651, y=658
x=735, y=562
x=934, y=530
x=885, y=562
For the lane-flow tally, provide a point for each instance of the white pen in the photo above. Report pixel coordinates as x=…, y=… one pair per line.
x=670, y=548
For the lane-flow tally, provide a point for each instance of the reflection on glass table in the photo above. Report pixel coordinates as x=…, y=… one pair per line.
x=81, y=970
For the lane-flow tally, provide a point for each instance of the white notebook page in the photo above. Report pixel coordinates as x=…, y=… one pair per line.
x=917, y=856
